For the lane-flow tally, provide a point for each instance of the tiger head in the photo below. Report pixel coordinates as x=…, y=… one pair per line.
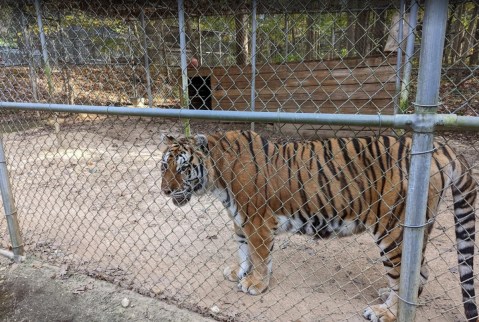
x=183, y=167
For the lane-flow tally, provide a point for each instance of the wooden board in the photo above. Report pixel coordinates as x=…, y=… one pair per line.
x=310, y=78
x=289, y=68
x=308, y=106
x=296, y=83
x=352, y=86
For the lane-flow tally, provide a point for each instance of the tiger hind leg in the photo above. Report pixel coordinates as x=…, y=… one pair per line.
x=384, y=292
x=387, y=311
x=260, y=245
x=391, y=252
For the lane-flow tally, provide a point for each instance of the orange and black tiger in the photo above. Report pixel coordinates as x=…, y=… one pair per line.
x=335, y=187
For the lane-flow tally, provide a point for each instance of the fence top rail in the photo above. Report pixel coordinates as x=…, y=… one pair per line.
x=398, y=121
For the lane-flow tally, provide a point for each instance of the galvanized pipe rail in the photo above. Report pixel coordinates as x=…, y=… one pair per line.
x=399, y=121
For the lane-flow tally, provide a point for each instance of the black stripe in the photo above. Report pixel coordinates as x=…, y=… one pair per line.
x=228, y=199
x=379, y=155
x=249, y=138
x=467, y=278
x=289, y=163
x=357, y=146
x=303, y=195
x=400, y=159
x=328, y=157
x=387, y=146
x=393, y=276
x=471, y=311
x=389, y=248
x=349, y=163
x=238, y=147
x=311, y=157
x=441, y=173
x=388, y=263
x=265, y=144
x=396, y=257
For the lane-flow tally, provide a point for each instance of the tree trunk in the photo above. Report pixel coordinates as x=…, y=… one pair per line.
x=199, y=45
x=350, y=33
x=379, y=34
x=458, y=34
x=294, y=43
x=310, y=39
x=361, y=33
x=469, y=36
x=241, y=24
x=475, y=52
x=449, y=35
x=26, y=47
x=286, y=37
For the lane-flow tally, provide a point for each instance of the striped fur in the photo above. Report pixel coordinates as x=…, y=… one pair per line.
x=329, y=188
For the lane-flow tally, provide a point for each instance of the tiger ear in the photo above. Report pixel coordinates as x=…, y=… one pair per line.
x=169, y=139
x=202, y=142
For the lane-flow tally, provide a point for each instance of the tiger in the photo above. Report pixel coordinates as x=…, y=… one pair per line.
x=323, y=188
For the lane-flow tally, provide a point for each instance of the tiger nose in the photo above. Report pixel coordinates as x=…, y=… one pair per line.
x=167, y=192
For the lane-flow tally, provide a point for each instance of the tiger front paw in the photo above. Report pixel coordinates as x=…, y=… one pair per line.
x=231, y=273
x=384, y=293
x=253, y=285
x=379, y=313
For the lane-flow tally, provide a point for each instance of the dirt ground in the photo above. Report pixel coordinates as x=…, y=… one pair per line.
x=89, y=201
x=35, y=291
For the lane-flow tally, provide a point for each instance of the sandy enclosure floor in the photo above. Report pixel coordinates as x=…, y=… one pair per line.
x=90, y=198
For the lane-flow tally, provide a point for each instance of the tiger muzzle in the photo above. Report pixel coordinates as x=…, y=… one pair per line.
x=180, y=199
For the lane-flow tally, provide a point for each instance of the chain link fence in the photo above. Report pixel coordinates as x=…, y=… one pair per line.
x=88, y=187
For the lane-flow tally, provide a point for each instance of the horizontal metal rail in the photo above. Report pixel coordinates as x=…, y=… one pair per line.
x=399, y=121
x=10, y=255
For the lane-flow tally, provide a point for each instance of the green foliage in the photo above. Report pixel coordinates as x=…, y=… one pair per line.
x=79, y=18
x=109, y=45
x=8, y=35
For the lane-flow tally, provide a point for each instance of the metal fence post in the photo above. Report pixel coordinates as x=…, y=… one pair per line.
x=10, y=211
x=432, y=46
x=254, y=27
x=184, y=68
x=406, y=75
x=28, y=47
x=146, y=57
x=402, y=12
x=43, y=42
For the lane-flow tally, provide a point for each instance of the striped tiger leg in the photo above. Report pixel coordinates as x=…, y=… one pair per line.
x=386, y=291
x=260, y=244
x=237, y=271
x=391, y=250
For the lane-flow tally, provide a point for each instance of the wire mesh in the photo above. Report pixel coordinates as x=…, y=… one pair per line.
x=88, y=187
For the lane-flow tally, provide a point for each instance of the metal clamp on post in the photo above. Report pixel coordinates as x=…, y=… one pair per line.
x=424, y=121
x=408, y=302
x=424, y=152
x=430, y=221
x=426, y=106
